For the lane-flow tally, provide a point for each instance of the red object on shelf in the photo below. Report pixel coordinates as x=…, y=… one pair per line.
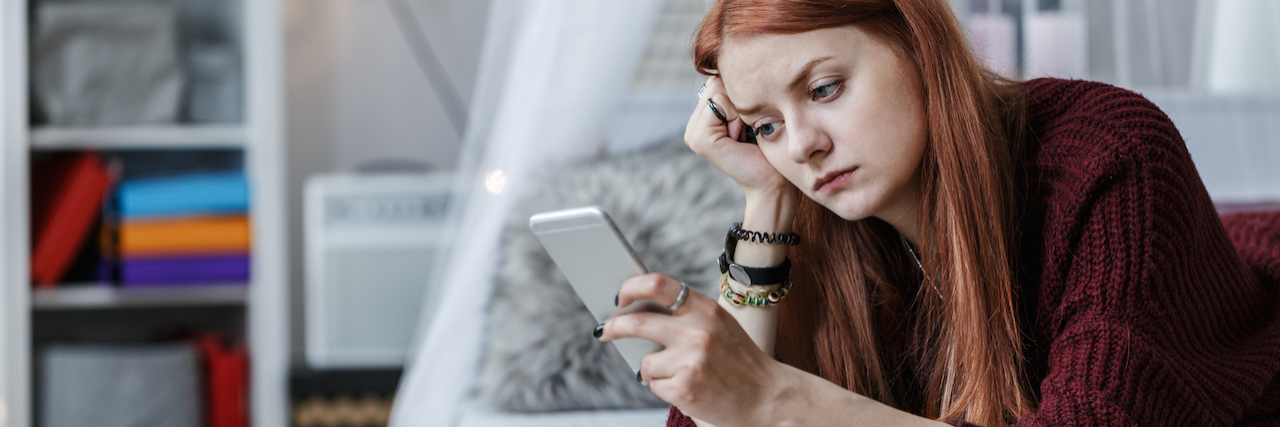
x=227, y=382
x=67, y=194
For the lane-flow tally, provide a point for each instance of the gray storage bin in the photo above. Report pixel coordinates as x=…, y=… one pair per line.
x=106, y=63
x=120, y=385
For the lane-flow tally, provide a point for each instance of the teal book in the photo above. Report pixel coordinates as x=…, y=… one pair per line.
x=183, y=195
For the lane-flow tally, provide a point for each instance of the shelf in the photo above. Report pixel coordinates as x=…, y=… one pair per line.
x=161, y=136
x=102, y=296
x=89, y=312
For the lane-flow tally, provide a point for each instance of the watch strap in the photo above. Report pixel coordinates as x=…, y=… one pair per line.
x=755, y=276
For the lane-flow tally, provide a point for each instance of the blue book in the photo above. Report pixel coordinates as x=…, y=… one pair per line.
x=183, y=195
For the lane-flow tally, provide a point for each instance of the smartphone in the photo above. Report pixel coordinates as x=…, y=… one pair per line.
x=596, y=259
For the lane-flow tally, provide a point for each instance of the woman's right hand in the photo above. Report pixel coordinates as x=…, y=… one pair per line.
x=717, y=142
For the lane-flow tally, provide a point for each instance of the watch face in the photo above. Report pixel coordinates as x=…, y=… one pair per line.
x=737, y=273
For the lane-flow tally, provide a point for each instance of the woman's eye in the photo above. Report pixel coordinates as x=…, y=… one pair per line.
x=767, y=129
x=825, y=90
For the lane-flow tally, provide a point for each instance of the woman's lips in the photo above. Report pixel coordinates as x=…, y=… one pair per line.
x=829, y=183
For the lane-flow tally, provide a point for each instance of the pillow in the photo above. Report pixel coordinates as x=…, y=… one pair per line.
x=672, y=206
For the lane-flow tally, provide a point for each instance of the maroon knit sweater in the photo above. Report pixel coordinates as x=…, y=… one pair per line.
x=1145, y=307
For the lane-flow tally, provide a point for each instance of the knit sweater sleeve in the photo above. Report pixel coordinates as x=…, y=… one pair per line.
x=675, y=418
x=1149, y=315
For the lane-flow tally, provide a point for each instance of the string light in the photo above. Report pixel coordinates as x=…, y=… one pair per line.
x=495, y=181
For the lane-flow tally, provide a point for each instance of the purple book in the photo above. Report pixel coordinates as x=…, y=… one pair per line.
x=183, y=270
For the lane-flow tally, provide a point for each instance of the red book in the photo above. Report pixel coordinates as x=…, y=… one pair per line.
x=227, y=375
x=67, y=192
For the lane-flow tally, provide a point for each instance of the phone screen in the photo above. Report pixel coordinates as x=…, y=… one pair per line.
x=596, y=259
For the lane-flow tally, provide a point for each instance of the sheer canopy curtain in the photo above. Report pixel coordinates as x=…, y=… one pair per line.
x=551, y=74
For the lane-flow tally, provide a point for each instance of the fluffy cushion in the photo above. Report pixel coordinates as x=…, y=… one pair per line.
x=672, y=206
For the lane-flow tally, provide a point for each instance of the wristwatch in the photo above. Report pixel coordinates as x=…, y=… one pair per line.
x=755, y=276
x=751, y=276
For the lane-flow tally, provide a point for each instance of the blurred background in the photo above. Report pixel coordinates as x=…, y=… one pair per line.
x=311, y=212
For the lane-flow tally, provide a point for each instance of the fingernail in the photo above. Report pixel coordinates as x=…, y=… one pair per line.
x=638, y=378
x=599, y=330
x=615, y=300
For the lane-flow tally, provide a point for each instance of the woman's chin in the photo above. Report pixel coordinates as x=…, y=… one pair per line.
x=848, y=206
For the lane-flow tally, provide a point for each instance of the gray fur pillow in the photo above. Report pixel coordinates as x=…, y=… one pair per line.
x=671, y=205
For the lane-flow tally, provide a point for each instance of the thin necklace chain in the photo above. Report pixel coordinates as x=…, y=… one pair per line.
x=912, y=251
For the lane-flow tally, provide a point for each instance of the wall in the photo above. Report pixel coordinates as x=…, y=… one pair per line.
x=355, y=94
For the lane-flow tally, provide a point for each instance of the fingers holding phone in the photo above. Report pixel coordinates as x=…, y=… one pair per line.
x=709, y=365
x=664, y=290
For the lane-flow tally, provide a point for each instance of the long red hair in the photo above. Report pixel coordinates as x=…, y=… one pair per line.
x=846, y=306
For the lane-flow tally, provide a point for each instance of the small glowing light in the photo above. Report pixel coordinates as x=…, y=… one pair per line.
x=495, y=181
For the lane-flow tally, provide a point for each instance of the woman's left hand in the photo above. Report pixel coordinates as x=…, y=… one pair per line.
x=710, y=368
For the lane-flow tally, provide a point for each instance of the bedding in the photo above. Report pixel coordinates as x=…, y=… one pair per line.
x=672, y=206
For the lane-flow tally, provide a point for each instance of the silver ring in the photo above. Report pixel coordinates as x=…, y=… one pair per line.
x=715, y=109
x=684, y=292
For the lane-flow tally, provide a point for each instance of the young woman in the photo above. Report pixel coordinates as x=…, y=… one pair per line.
x=972, y=249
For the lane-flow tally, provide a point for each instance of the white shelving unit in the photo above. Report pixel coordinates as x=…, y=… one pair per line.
x=82, y=296
x=166, y=137
x=260, y=136
x=15, y=317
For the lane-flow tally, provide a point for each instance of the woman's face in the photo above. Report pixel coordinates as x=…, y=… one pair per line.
x=837, y=112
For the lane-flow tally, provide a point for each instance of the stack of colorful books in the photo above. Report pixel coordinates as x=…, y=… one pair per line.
x=182, y=230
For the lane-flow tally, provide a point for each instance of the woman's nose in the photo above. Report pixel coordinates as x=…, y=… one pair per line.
x=806, y=141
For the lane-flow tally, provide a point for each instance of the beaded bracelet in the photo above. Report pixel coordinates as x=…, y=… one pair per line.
x=789, y=239
x=757, y=298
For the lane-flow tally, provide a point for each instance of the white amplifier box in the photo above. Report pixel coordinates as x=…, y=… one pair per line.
x=371, y=245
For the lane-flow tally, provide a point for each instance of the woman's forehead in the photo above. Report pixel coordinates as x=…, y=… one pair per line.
x=754, y=65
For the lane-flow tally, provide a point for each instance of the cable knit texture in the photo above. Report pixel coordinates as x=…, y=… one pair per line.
x=1149, y=308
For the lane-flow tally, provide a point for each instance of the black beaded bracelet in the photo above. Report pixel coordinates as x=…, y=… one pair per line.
x=789, y=239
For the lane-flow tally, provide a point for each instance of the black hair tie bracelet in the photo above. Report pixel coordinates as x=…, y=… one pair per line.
x=789, y=239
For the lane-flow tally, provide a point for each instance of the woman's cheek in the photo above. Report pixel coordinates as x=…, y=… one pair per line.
x=773, y=154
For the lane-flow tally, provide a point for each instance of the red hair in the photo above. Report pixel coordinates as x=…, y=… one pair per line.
x=845, y=307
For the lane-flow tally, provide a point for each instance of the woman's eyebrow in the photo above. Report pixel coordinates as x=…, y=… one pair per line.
x=801, y=77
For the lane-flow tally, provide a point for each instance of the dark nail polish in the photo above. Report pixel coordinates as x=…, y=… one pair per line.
x=615, y=300
x=599, y=330
x=639, y=379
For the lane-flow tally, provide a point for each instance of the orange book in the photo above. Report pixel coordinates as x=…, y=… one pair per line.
x=185, y=236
